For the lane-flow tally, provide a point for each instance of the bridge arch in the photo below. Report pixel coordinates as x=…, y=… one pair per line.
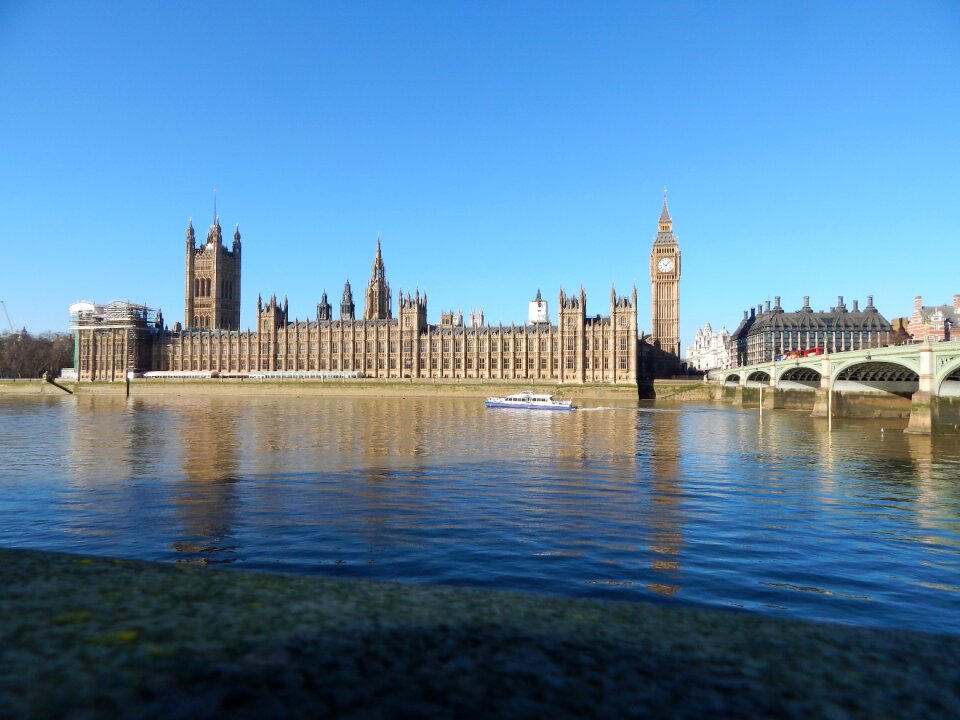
x=947, y=379
x=800, y=376
x=895, y=376
x=731, y=378
x=758, y=377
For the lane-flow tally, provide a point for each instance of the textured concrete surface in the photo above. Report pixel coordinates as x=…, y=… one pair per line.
x=93, y=638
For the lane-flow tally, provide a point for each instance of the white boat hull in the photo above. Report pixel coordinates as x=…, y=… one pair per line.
x=529, y=401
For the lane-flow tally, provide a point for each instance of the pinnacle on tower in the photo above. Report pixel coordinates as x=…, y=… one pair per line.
x=378, y=272
x=665, y=225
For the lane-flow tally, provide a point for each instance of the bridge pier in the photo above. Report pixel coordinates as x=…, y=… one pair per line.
x=820, y=402
x=922, y=412
x=923, y=403
x=771, y=399
x=933, y=415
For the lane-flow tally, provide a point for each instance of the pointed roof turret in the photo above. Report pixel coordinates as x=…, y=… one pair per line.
x=378, y=272
x=665, y=225
x=191, y=236
x=215, y=233
x=347, y=307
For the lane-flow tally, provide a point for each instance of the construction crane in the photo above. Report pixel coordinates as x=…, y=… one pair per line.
x=7, y=313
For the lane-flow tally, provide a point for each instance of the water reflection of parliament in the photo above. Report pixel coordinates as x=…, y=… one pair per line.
x=122, y=337
x=214, y=457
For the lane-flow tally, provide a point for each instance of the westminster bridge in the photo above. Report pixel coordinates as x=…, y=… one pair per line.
x=921, y=382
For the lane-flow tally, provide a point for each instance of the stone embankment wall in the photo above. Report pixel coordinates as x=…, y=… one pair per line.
x=10, y=386
x=662, y=390
x=331, y=387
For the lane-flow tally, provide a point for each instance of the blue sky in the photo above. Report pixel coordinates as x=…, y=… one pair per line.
x=498, y=148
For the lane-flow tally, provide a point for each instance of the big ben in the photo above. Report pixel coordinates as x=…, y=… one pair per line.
x=665, y=295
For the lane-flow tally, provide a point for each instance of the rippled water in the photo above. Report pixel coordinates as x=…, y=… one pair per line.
x=700, y=504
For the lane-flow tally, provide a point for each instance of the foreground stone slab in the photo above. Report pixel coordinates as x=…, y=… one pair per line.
x=91, y=638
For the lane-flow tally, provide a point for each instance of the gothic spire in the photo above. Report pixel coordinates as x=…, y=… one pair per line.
x=664, y=214
x=665, y=225
x=378, y=272
x=347, y=307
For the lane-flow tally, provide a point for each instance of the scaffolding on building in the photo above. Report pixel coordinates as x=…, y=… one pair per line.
x=138, y=323
x=115, y=314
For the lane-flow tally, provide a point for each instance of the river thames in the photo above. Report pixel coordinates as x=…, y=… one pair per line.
x=698, y=504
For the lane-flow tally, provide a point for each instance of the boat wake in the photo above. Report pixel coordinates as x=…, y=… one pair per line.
x=611, y=407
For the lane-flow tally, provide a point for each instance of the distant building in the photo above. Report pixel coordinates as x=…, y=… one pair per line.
x=117, y=338
x=934, y=323
x=537, y=312
x=120, y=338
x=710, y=350
x=665, y=297
x=212, y=287
x=768, y=332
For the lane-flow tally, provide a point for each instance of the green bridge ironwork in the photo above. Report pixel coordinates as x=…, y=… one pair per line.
x=927, y=374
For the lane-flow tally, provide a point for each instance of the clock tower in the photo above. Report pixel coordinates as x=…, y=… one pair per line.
x=665, y=295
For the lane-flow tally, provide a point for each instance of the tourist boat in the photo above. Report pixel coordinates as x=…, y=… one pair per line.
x=530, y=401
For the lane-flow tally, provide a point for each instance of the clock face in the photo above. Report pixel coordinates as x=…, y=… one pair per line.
x=665, y=265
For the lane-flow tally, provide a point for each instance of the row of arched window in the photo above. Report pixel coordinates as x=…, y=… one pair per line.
x=202, y=288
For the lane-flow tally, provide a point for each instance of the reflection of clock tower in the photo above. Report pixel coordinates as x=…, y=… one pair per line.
x=665, y=290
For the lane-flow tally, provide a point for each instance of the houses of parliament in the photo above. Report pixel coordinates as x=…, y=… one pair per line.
x=387, y=340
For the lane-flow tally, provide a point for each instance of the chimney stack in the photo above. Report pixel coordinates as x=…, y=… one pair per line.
x=768, y=306
x=869, y=301
x=806, y=301
x=856, y=306
x=918, y=303
x=777, y=299
x=956, y=303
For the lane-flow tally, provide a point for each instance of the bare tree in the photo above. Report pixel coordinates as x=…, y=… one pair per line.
x=23, y=355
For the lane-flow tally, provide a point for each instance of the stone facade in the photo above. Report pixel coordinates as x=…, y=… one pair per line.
x=766, y=333
x=113, y=339
x=710, y=350
x=665, y=296
x=577, y=349
x=377, y=300
x=212, y=281
x=934, y=323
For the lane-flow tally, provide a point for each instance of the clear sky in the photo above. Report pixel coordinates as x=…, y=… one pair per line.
x=498, y=148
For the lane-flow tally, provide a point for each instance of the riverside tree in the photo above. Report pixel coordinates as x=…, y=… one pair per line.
x=23, y=355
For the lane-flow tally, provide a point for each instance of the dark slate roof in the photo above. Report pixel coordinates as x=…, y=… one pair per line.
x=839, y=317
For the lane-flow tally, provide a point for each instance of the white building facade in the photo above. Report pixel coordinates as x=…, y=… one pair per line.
x=710, y=350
